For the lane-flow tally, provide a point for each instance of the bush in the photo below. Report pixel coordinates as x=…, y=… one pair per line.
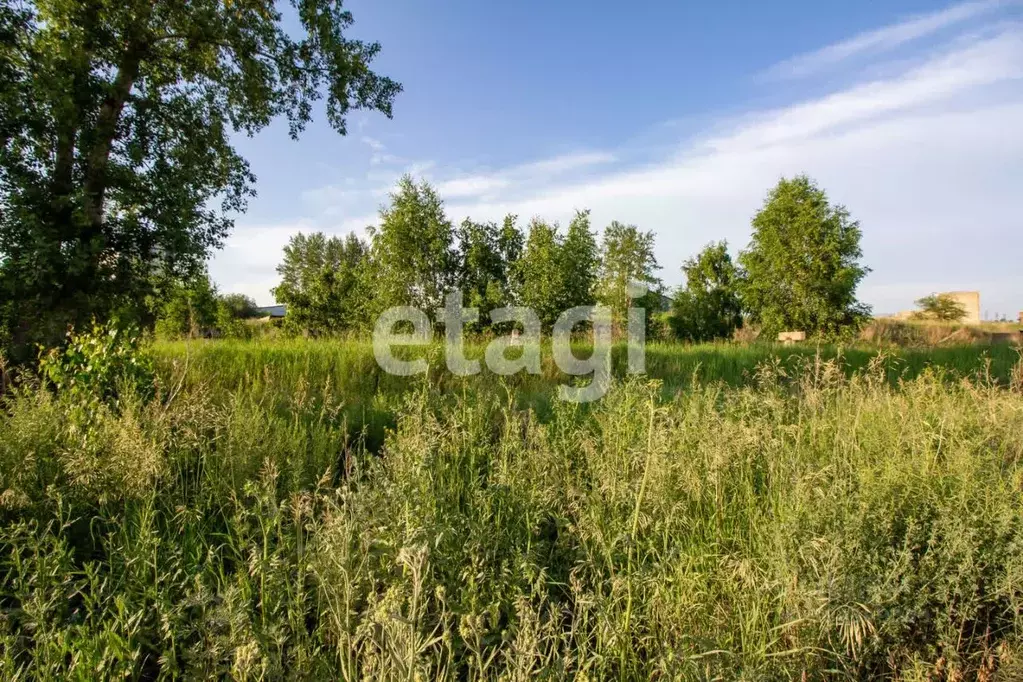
x=100, y=365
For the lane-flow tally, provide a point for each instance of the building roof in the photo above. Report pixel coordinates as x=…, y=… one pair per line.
x=271, y=311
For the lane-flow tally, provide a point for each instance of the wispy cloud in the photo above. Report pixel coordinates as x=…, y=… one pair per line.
x=881, y=40
x=982, y=63
x=472, y=186
x=521, y=177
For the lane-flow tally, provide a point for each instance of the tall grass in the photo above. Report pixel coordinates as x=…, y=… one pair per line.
x=852, y=519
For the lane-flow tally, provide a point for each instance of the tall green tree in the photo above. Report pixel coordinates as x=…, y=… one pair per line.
x=324, y=283
x=541, y=269
x=707, y=307
x=189, y=309
x=626, y=257
x=232, y=312
x=239, y=306
x=511, y=242
x=117, y=170
x=579, y=258
x=413, y=251
x=803, y=264
x=485, y=255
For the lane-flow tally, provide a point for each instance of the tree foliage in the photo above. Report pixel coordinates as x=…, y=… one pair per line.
x=940, y=307
x=707, y=307
x=579, y=260
x=239, y=306
x=325, y=283
x=802, y=266
x=413, y=253
x=116, y=164
x=486, y=256
x=543, y=286
x=626, y=257
x=190, y=308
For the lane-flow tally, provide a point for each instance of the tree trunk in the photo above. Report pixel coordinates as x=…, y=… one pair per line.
x=106, y=131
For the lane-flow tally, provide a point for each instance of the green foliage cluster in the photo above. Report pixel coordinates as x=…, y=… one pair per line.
x=708, y=306
x=325, y=283
x=627, y=259
x=802, y=266
x=99, y=366
x=415, y=256
x=487, y=259
x=193, y=308
x=558, y=271
x=117, y=168
x=241, y=529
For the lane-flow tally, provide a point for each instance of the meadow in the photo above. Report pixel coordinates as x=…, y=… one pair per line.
x=280, y=509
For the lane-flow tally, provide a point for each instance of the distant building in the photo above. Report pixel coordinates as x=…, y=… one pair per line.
x=271, y=311
x=970, y=301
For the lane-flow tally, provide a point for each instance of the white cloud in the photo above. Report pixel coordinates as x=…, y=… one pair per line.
x=535, y=173
x=247, y=264
x=373, y=143
x=930, y=161
x=562, y=164
x=983, y=63
x=880, y=40
x=471, y=186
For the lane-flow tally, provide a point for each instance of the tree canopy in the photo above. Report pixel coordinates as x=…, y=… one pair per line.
x=707, y=307
x=558, y=272
x=626, y=257
x=486, y=255
x=802, y=265
x=413, y=249
x=117, y=170
x=325, y=283
x=940, y=307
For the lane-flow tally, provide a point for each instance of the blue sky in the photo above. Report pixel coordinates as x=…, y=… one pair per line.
x=678, y=117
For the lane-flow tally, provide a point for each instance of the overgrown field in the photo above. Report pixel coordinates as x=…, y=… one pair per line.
x=281, y=510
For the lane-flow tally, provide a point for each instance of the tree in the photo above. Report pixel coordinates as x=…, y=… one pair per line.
x=802, y=266
x=117, y=170
x=626, y=257
x=707, y=307
x=239, y=306
x=414, y=260
x=190, y=308
x=510, y=243
x=542, y=273
x=232, y=311
x=484, y=250
x=324, y=283
x=940, y=307
x=578, y=261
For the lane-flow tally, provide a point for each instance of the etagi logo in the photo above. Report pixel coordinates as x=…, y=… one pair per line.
x=454, y=317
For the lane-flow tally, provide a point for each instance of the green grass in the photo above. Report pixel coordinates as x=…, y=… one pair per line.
x=280, y=510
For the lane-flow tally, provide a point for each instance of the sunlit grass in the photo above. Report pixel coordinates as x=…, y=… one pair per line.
x=282, y=510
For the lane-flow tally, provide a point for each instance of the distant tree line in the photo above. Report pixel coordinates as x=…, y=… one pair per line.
x=800, y=270
x=194, y=309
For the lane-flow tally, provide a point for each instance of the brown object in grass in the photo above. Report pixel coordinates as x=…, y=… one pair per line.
x=791, y=337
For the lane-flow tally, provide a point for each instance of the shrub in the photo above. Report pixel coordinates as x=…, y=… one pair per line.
x=100, y=365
